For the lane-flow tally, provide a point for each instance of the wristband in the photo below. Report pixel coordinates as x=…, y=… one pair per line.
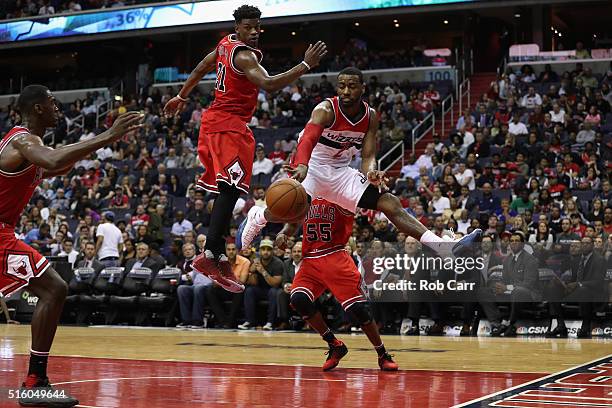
x=181, y=98
x=306, y=64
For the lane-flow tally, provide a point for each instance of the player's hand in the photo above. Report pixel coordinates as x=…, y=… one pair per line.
x=378, y=178
x=173, y=105
x=298, y=173
x=125, y=123
x=314, y=53
x=281, y=241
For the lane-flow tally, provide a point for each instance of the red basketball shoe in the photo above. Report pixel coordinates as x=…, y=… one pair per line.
x=219, y=271
x=386, y=363
x=334, y=355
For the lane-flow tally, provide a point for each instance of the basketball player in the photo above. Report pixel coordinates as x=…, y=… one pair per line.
x=24, y=162
x=326, y=265
x=338, y=128
x=226, y=146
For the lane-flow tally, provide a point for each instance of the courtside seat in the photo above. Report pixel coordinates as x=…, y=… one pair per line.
x=106, y=284
x=80, y=285
x=161, y=302
x=125, y=305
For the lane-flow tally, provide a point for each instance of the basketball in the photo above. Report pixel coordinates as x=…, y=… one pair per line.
x=286, y=199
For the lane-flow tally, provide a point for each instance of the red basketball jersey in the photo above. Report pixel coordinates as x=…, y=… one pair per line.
x=16, y=189
x=326, y=229
x=235, y=96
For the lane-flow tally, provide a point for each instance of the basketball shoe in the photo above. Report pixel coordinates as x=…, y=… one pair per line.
x=218, y=270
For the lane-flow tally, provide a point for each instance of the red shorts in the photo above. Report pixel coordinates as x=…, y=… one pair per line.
x=19, y=262
x=227, y=156
x=336, y=272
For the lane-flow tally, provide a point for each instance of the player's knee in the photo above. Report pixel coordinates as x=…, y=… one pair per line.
x=56, y=287
x=302, y=304
x=388, y=203
x=362, y=312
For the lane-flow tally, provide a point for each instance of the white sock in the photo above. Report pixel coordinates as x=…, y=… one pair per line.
x=430, y=237
x=433, y=241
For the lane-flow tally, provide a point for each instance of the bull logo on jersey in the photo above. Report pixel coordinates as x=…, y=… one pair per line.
x=236, y=173
x=19, y=266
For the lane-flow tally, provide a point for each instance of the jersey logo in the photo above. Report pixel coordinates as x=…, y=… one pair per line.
x=19, y=266
x=236, y=173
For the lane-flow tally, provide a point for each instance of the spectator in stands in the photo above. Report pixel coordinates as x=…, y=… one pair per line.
x=583, y=283
x=143, y=259
x=180, y=226
x=262, y=165
x=531, y=99
x=216, y=295
x=516, y=127
x=438, y=203
x=198, y=215
x=264, y=279
x=519, y=286
x=109, y=241
x=410, y=170
x=200, y=242
x=46, y=9
x=565, y=237
x=548, y=75
x=289, y=268
x=89, y=260
x=192, y=292
x=69, y=251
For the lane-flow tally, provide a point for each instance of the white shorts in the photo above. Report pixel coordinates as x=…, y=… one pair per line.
x=342, y=186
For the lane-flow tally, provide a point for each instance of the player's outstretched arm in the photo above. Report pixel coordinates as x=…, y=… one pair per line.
x=369, y=167
x=321, y=117
x=32, y=149
x=247, y=62
x=204, y=67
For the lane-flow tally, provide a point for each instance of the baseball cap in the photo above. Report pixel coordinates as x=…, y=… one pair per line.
x=109, y=214
x=260, y=145
x=266, y=243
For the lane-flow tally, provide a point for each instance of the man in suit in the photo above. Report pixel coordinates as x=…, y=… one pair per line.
x=418, y=298
x=142, y=260
x=192, y=292
x=519, y=286
x=90, y=261
x=585, y=285
x=289, y=268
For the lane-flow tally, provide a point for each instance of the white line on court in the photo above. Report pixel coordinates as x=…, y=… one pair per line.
x=199, y=377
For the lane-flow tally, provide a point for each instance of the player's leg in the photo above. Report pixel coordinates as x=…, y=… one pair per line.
x=363, y=314
x=346, y=284
x=51, y=291
x=228, y=157
x=307, y=287
x=390, y=205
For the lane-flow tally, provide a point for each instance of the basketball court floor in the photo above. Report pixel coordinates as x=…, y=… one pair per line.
x=171, y=368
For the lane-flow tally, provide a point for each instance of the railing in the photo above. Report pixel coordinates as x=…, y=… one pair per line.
x=420, y=130
x=102, y=110
x=464, y=90
x=400, y=146
x=78, y=122
x=449, y=100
